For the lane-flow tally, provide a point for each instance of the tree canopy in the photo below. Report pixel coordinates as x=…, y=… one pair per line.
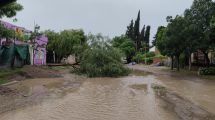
x=65, y=43
x=10, y=9
x=101, y=59
x=141, y=38
x=126, y=45
x=188, y=33
x=6, y=33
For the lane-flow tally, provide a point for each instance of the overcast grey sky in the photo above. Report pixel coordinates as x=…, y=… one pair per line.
x=109, y=17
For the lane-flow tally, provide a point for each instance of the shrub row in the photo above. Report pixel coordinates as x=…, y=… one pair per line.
x=206, y=71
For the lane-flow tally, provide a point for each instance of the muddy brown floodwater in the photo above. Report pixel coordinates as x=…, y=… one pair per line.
x=200, y=91
x=127, y=98
x=140, y=96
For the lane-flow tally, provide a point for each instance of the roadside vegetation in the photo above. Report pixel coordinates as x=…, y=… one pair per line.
x=135, y=42
x=95, y=56
x=188, y=33
x=4, y=74
x=98, y=56
x=101, y=59
x=10, y=9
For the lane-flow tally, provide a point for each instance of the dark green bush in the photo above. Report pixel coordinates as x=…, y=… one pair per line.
x=140, y=57
x=206, y=71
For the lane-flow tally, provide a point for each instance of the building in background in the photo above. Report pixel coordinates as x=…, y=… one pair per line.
x=36, y=47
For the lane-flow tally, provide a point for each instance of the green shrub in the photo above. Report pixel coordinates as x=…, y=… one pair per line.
x=150, y=54
x=160, y=56
x=206, y=71
x=139, y=57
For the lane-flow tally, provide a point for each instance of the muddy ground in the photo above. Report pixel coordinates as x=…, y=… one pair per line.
x=149, y=93
x=11, y=76
x=31, y=85
x=184, y=108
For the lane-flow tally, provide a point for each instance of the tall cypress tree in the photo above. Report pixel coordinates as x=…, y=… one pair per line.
x=137, y=32
x=142, y=36
x=130, y=30
x=147, y=37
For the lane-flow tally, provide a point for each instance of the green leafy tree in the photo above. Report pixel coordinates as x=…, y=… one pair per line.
x=137, y=32
x=170, y=40
x=5, y=2
x=130, y=30
x=164, y=44
x=201, y=13
x=65, y=43
x=175, y=36
x=69, y=39
x=10, y=10
x=211, y=34
x=126, y=45
x=6, y=33
x=147, y=38
x=158, y=35
x=101, y=59
x=53, y=45
x=142, y=37
x=139, y=38
x=192, y=35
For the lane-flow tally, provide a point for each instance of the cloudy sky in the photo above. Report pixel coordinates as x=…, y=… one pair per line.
x=109, y=17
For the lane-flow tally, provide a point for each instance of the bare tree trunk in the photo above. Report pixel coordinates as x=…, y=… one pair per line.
x=190, y=62
x=172, y=62
x=54, y=56
x=178, y=63
x=207, y=60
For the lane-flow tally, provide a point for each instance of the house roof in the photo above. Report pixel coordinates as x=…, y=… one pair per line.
x=11, y=26
x=41, y=39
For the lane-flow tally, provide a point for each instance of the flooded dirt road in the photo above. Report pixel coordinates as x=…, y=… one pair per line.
x=128, y=98
x=200, y=91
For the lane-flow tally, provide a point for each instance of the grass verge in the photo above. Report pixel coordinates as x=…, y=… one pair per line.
x=5, y=73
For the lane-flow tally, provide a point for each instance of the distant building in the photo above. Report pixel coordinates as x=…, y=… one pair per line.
x=37, y=47
x=39, y=50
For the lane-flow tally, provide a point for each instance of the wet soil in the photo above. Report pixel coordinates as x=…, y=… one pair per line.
x=147, y=94
x=185, y=109
x=127, y=98
x=12, y=76
x=6, y=91
x=30, y=72
x=30, y=92
x=197, y=89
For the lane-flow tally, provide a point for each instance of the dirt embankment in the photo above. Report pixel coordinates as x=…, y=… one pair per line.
x=29, y=72
x=185, y=109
